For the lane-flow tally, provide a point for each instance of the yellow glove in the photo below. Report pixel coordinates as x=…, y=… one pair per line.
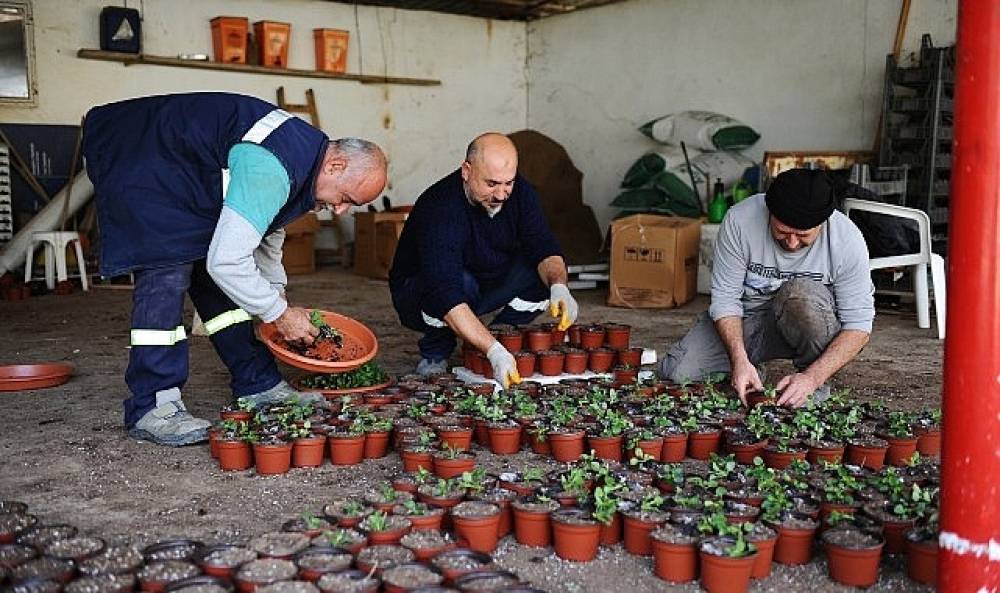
x=504, y=366
x=562, y=305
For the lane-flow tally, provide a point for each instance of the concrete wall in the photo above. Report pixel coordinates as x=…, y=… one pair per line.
x=424, y=130
x=807, y=74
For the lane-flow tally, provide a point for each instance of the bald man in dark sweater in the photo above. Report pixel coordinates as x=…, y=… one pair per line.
x=477, y=241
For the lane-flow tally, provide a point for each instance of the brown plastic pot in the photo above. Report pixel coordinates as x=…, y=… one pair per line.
x=428, y=522
x=637, y=540
x=213, y=442
x=539, y=446
x=573, y=335
x=616, y=335
x=234, y=455
x=414, y=460
x=525, y=363
x=900, y=450
x=309, y=451
x=854, y=567
x=626, y=375
x=611, y=533
x=591, y=337
x=650, y=447
x=600, y=360
x=550, y=363
x=894, y=532
x=236, y=415
x=922, y=561
x=532, y=528
x=675, y=563
x=608, y=448
x=505, y=440
x=575, y=361
x=458, y=438
x=815, y=455
x=929, y=442
x=477, y=533
x=512, y=341
x=745, y=454
x=674, y=447
x=376, y=445
x=575, y=542
x=449, y=468
x=347, y=450
x=630, y=356
x=701, y=445
x=764, y=557
x=870, y=457
x=539, y=340
x=567, y=447
x=781, y=459
x=272, y=460
x=721, y=574
x=794, y=546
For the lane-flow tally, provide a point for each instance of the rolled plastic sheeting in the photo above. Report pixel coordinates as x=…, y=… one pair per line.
x=48, y=219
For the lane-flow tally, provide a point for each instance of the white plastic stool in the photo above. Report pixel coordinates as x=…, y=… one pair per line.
x=55, y=243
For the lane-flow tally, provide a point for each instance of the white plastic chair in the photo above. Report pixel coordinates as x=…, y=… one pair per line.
x=917, y=262
x=55, y=243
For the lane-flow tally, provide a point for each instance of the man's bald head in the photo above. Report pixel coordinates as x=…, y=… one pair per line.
x=491, y=145
x=489, y=170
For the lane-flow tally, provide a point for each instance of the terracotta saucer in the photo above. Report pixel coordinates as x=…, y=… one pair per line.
x=360, y=346
x=21, y=377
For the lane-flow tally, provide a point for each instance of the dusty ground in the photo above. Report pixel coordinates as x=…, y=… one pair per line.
x=63, y=450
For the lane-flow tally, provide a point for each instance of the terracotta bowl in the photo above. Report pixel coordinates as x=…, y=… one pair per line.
x=21, y=377
x=360, y=346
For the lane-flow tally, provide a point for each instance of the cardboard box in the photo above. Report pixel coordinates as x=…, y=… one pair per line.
x=654, y=261
x=298, y=254
x=376, y=235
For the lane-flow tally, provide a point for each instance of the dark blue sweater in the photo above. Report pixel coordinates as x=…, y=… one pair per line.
x=446, y=235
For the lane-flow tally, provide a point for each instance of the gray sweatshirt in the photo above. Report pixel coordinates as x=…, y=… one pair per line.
x=749, y=266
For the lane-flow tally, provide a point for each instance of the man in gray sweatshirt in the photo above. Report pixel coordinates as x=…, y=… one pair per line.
x=790, y=280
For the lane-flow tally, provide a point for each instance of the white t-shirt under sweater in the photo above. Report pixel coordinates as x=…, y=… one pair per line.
x=750, y=266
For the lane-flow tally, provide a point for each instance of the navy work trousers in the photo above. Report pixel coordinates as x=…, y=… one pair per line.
x=158, y=304
x=520, y=282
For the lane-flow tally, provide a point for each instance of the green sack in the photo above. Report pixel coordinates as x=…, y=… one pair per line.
x=704, y=130
x=651, y=164
x=640, y=198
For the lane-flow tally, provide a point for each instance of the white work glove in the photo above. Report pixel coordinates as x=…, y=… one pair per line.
x=562, y=305
x=504, y=367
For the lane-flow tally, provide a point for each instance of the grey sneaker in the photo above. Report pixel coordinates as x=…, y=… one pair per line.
x=280, y=393
x=170, y=424
x=428, y=367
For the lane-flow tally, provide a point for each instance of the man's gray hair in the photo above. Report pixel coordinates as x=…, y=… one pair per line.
x=358, y=151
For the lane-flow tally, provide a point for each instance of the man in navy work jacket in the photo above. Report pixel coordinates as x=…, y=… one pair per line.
x=193, y=192
x=477, y=241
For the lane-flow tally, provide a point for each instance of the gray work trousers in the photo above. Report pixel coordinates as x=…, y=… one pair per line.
x=797, y=324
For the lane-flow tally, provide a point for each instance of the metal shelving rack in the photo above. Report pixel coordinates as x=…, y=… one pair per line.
x=6, y=205
x=917, y=122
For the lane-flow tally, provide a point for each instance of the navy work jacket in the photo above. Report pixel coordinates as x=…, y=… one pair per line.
x=158, y=165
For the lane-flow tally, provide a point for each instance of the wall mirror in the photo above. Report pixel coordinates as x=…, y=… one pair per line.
x=17, y=53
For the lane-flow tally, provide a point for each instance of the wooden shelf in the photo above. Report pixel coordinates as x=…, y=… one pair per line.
x=132, y=59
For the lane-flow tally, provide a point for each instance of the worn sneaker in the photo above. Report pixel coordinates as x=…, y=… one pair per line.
x=280, y=393
x=171, y=425
x=427, y=367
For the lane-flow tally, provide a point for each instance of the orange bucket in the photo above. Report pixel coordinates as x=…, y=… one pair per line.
x=229, y=39
x=331, y=49
x=272, y=42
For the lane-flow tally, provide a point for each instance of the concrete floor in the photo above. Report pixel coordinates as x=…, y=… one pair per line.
x=63, y=450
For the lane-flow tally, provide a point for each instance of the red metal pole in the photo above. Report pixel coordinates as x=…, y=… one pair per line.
x=969, y=557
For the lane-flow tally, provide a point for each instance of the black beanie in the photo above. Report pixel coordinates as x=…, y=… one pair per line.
x=801, y=198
